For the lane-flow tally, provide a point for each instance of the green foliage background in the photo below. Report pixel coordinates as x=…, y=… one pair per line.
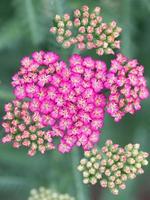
x=24, y=27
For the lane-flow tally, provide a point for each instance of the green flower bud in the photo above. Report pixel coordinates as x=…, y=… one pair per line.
x=92, y=171
x=129, y=147
x=83, y=161
x=118, y=181
x=107, y=172
x=112, y=178
x=87, y=154
x=124, y=177
x=89, y=164
x=113, y=165
x=137, y=146
x=115, y=191
x=96, y=165
x=138, y=165
x=111, y=185
x=131, y=176
x=145, y=162
x=103, y=183
x=93, y=180
x=135, y=152
x=131, y=161
x=86, y=181
x=85, y=174
x=80, y=168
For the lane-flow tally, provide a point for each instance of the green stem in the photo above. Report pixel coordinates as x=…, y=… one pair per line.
x=80, y=191
x=126, y=13
x=32, y=20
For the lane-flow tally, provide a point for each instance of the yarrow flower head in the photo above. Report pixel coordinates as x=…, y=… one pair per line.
x=47, y=194
x=68, y=100
x=114, y=165
x=24, y=129
x=127, y=87
x=87, y=30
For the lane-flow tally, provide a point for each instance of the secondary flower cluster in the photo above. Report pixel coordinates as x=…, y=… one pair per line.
x=86, y=30
x=127, y=87
x=23, y=128
x=113, y=165
x=47, y=194
x=68, y=101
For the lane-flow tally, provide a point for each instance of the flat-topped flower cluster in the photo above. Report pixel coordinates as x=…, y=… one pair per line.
x=56, y=100
x=87, y=30
x=113, y=165
x=24, y=128
x=127, y=87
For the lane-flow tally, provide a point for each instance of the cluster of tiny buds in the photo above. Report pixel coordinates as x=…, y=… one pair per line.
x=24, y=129
x=113, y=165
x=47, y=194
x=90, y=166
x=87, y=31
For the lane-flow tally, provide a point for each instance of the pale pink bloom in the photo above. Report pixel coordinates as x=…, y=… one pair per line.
x=46, y=106
x=31, y=90
x=82, y=140
x=38, y=57
x=26, y=62
x=64, y=148
x=75, y=60
x=7, y=139
x=20, y=92
x=50, y=58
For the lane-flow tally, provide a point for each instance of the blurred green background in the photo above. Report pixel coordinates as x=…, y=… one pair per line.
x=24, y=28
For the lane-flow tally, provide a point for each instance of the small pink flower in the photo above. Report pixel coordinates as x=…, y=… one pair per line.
x=20, y=92
x=34, y=105
x=26, y=62
x=51, y=93
x=44, y=79
x=46, y=106
x=97, y=85
x=64, y=147
x=31, y=90
x=76, y=59
x=89, y=62
x=50, y=58
x=94, y=137
x=38, y=57
x=7, y=139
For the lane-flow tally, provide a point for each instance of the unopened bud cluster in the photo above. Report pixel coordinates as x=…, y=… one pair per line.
x=23, y=128
x=114, y=165
x=87, y=30
x=47, y=194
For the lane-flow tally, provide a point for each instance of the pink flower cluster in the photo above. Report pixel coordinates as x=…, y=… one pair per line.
x=127, y=87
x=69, y=101
x=23, y=128
x=87, y=30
